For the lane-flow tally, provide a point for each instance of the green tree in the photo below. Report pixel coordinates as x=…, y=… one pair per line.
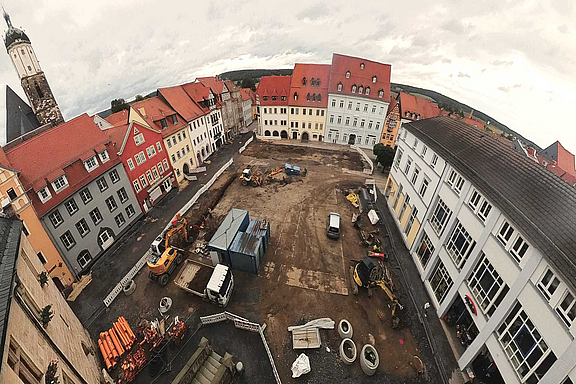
x=118, y=104
x=139, y=98
x=384, y=154
x=248, y=82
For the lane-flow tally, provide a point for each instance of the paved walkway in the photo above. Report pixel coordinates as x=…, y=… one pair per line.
x=114, y=265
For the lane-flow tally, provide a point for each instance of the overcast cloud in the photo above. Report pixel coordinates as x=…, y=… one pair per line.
x=514, y=60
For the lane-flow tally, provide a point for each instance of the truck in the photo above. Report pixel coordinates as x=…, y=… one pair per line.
x=213, y=284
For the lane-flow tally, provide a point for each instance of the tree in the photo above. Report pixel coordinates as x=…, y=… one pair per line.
x=46, y=315
x=139, y=98
x=384, y=154
x=118, y=104
x=51, y=376
x=248, y=82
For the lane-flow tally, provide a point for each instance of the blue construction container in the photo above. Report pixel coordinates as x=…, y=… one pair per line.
x=236, y=221
x=260, y=229
x=246, y=252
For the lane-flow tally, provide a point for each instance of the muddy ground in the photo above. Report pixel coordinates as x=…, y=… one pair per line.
x=304, y=275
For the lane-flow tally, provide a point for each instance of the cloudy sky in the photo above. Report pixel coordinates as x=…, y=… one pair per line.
x=514, y=60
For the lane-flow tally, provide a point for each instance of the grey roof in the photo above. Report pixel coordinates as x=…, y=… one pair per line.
x=551, y=152
x=19, y=118
x=10, y=230
x=226, y=232
x=538, y=203
x=246, y=244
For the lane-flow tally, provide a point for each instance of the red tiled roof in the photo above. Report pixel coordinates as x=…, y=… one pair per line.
x=212, y=82
x=247, y=94
x=473, y=122
x=361, y=77
x=54, y=152
x=153, y=110
x=277, y=86
x=120, y=117
x=420, y=106
x=310, y=72
x=199, y=93
x=117, y=135
x=231, y=86
x=563, y=158
x=179, y=99
x=392, y=104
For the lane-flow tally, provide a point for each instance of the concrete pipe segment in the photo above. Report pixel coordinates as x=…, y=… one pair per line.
x=345, y=329
x=369, y=359
x=129, y=288
x=348, y=351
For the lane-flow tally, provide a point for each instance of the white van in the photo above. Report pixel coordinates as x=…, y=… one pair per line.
x=333, y=228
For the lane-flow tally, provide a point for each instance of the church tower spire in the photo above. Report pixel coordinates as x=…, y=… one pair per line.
x=31, y=75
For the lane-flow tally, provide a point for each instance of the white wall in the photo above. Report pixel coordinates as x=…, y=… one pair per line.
x=273, y=119
x=24, y=60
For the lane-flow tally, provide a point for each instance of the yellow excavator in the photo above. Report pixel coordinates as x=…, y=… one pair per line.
x=369, y=274
x=166, y=251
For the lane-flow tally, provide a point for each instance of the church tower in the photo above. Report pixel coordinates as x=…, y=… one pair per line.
x=31, y=76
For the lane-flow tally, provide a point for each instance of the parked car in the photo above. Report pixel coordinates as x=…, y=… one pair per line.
x=333, y=226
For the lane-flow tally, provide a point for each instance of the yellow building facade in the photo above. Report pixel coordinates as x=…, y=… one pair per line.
x=11, y=192
x=306, y=123
x=402, y=211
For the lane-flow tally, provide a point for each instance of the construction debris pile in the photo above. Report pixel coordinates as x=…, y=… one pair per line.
x=132, y=365
x=115, y=342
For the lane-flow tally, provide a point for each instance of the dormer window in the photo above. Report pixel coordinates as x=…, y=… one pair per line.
x=354, y=88
x=361, y=65
x=317, y=82
x=90, y=164
x=104, y=156
x=283, y=98
x=319, y=98
x=295, y=95
x=374, y=79
x=360, y=90
x=381, y=93
x=340, y=87
x=367, y=91
x=303, y=81
x=314, y=97
x=347, y=74
x=308, y=97
x=312, y=82
x=163, y=123
x=265, y=98
x=174, y=119
x=44, y=194
x=60, y=183
x=274, y=98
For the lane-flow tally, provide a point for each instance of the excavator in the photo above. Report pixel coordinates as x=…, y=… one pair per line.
x=369, y=274
x=166, y=251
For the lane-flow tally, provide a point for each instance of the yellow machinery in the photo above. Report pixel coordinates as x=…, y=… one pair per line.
x=249, y=177
x=166, y=251
x=369, y=274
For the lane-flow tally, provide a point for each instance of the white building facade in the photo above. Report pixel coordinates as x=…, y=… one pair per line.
x=483, y=266
x=247, y=111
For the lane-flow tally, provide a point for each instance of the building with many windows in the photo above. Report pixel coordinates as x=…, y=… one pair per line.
x=272, y=99
x=78, y=188
x=359, y=94
x=230, y=99
x=248, y=105
x=492, y=234
x=26, y=346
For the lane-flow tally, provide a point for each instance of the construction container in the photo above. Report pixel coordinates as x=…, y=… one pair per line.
x=246, y=252
x=236, y=221
x=260, y=229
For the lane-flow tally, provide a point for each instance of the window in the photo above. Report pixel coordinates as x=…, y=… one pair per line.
x=424, y=186
x=374, y=79
x=415, y=175
x=527, y=351
x=415, y=143
x=60, y=183
x=71, y=206
x=137, y=186
x=84, y=259
x=82, y=227
x=479, y=205
x=160, y=168
x=354, y=88
x=114, y=176
x=85, y=196
x=361, y=65
x=519, y=248
x=440, y=216
x=149, y=176
x=95, y=216
x=102, y=185
x=67, y=240
x=484, y=210
x=11, y=194
x=474, y=200
x=331, y=118
x=173, y=158
x=505, y=233
x=362, y=123
x=56, y=219
x=411, y=220
x=104, y=156
x=367, y=91
x=370, y=124
x=358, y=106
x=548, y=284
x=44, y=194
x=487, y=286
x=425, y=250
x=347, y=74
x=460, y=245
x=381, y=93
x=408, y=165
x=154, y=172
x=122, y=195
x=174, y=119
x=566, y=309
x=339, y=120
x=158, y=146
x=399, y=154
x=378, y=128
x=91, y=164
x=119, y=219
x=105, y=236
x=111, y=204
x=130, y=211
x=440, y=281
x=423, y=151
x=138, y=139
x=174, y=140
x=347, y=120
x=22, y=365
x=404, y=207
x=130, y=163
x=151, y=151
x=341, y=103
x=165, y=162
x=179, y=137
x=455, y=181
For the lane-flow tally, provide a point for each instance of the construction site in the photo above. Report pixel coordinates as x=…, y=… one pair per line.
x=283, y=266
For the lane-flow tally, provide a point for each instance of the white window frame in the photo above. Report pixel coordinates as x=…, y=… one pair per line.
x=411, y=219
x=424, y=150
x=139, y=139
x=519, y=248
x=115, y=178
x=71, y=206
x=434, y=160
x=44, y=194
x=111, y=204
x=415, y=175
x=567, y=312
x=56, y=218
x=120, y=220
x=424, y=186
x=82, y=227
x=442, y=276
x=408, y=165
x=479, y=205
x=459, y=235
x=505, y=233
x=96, y=212
x=60, y=184
x=398, y=158
x=425, y=247
x=137, y=186
x=68, y=240
x=158, y=146
x=489, y=298
x=91, y=164
x=104, y=156
x=82, y=257
x=122, y=195
x=85, y=196
x=102, y=187
x=439, y=224
x=130, y=211
x=549, y=287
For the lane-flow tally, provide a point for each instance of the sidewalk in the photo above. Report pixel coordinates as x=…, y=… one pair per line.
x=111, y=268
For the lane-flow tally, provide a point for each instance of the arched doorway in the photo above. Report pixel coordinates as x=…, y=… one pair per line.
x=305, y=136
x=295, y=135
x=207, y=150
x=203, y=152
x=58, y=283
x=267, y=133
x=352, y=139
x=275, y=133
x=186, y=169
x=284, y=135
x=105, y=238
x=84, y=259
x=199, y=158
